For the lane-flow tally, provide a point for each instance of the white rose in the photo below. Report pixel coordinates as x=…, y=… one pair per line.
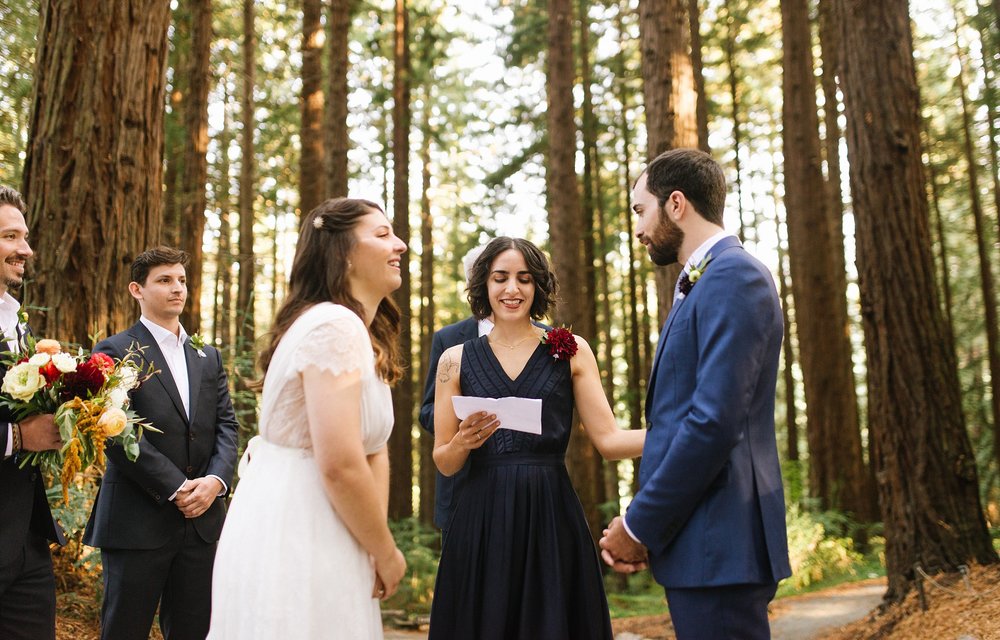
x=129, y=377
x=39, y=359
x=118, y=397
x=22, y=381
x=64, y=362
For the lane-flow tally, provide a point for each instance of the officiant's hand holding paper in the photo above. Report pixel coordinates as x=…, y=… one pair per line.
x=517, y=414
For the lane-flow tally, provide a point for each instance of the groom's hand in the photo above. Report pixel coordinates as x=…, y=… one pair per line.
x=197, y=495
x=620, y=551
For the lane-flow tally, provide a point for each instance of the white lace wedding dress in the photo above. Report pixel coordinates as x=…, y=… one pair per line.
x=287, y=567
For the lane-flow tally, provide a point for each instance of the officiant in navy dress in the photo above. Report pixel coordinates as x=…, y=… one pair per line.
x=518, y=560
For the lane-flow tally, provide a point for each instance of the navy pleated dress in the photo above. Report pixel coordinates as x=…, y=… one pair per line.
x=518, y=561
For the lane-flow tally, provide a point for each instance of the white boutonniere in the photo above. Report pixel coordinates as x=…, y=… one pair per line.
x=692, y=275
x=199, y=344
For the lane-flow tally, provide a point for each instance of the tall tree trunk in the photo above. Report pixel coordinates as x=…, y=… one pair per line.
x=927, y=479
x=174, y=125
x=222, y=326
x=401, y=441
x=568, y=230
x=337, y=139
x=93, y=176
x=791, y=411
x=312, y=178
x=837, y=473
x=733, y=24
x=942, y=241
x=985, y=249
x=427, y=469
x=193, y=198
x=591, y=220
x=244, y=400
x=701, y=113
x=670, y=99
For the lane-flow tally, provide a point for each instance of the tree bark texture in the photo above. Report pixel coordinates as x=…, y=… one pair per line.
x=93, y=176
x=337, y=139
x=925, y=467
x=697, y=67
x=568, y=231
x=427, y=469
x=671, y=102
x=837, y=473
x=244, y=400
x=312, y=176
x=193, y=199
x=401, y=440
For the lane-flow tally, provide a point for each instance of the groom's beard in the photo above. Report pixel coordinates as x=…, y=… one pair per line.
x=665, y=241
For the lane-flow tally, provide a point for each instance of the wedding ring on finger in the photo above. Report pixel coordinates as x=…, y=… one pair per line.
x=479, y=436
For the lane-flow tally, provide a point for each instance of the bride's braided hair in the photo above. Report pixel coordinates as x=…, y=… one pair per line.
x=319, y=274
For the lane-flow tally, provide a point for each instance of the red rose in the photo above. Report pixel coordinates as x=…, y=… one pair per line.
x=49, y=372
x=562, y=343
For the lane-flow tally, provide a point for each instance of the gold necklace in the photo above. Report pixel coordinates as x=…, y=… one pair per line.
x=509, y=346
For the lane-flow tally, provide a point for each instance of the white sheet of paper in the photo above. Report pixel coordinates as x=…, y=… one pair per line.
x=518, y=414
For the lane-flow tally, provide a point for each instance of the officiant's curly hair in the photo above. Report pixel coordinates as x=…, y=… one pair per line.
x=538, y=266
x=319, y=274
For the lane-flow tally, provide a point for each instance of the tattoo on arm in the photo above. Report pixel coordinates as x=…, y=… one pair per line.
x=446, y=369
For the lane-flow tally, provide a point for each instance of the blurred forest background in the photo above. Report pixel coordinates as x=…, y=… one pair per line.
x=859, y=138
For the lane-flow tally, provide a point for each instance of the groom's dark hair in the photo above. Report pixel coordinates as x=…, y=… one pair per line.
x=155, y=257
x=695, y=174
x=10, y=197
x=538, y=267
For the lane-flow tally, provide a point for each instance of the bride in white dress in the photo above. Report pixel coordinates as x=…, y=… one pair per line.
x=306, y=551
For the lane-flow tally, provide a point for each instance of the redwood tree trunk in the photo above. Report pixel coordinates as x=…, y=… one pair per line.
x=568, y=230
x=670, y=99
x=93, y=176
x=701, y=114
x=244, y=400
x=193, y=199
x=312, y=179
x=927, y=479
x=427, y=469
x=337, y=140
x=401, y=441
x=837, y=473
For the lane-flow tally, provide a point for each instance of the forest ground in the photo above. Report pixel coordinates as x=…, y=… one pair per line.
x=845, y=612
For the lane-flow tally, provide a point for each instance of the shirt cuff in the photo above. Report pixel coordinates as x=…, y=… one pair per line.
x=225, y=488
x=629, y=531
x=174, y=494
x=9, y=451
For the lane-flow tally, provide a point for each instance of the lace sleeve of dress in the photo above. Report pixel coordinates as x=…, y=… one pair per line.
x=338, y=345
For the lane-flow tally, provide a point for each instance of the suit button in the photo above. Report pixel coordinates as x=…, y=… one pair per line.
x=190, y=470
x=191, y=436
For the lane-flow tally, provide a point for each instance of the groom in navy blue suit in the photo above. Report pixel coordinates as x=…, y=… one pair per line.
x=709, y=516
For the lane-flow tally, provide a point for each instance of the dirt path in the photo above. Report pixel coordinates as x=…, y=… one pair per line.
x=804, y=617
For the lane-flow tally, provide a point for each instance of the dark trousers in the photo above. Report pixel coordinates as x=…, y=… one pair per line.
x=28, y=593
x=733, y=612
x=177, y=576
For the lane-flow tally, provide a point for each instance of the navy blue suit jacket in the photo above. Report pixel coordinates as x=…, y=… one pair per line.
x=710, y=506
x=132, y=509
x=446, y=488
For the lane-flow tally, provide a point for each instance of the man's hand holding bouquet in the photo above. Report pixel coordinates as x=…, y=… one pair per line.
x=88, y=395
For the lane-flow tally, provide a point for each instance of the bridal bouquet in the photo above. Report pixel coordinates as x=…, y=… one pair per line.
x=88, y=393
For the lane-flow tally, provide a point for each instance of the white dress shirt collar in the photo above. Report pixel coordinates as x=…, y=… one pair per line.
x=164, y=336
x=485, y=327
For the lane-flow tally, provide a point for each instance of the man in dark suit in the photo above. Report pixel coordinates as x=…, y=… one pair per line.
x=446, y=488
x=27, y=584
x=710, y=508
x=157, y=520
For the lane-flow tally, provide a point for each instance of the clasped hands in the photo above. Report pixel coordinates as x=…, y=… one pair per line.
x=620, y=551
x=196, y=495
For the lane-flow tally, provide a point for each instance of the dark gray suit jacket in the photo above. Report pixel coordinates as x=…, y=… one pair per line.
x=132, y=510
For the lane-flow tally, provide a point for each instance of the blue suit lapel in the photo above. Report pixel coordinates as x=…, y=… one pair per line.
x=674, y=310
x=152, y=354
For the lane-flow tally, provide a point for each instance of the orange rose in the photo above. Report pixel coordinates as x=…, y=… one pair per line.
x=47, y=345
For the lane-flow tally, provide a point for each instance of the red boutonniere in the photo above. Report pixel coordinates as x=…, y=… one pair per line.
x=562, y=343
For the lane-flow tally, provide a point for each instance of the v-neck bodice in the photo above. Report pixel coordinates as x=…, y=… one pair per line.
x=542, y=377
